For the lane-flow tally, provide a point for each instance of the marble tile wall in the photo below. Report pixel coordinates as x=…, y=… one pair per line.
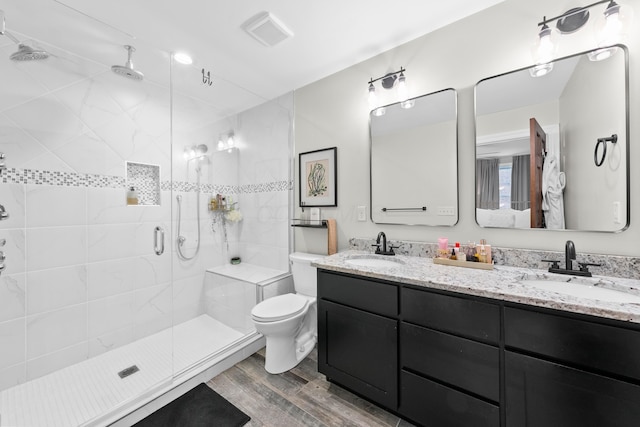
x=81, y=274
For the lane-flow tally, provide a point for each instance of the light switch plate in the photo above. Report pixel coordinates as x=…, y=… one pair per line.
x=362, y=213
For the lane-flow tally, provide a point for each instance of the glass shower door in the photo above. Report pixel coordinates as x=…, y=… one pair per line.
x=85, y=301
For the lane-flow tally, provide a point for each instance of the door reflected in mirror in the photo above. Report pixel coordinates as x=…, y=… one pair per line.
x=414, y=159
x=552, y=151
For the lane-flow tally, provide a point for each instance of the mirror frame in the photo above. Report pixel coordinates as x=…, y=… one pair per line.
x=457, y=175
x=627, y=141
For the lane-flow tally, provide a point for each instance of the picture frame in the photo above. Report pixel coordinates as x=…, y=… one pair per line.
x=318, y=178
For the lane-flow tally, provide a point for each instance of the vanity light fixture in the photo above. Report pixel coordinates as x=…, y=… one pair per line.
x=611, y=28
x=388, y=81
x=226, y=141
x=195, y=151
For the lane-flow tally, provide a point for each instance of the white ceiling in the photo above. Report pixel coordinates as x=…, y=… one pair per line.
x=329, y=35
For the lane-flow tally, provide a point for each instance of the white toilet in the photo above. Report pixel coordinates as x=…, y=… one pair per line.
x=289, y=322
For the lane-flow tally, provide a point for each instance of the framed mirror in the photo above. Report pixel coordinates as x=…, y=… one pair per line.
x=414, y=159
x=552, y=151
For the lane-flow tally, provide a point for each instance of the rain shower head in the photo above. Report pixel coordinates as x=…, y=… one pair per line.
x=127, y=69
x=24, y=53
x=27, y=53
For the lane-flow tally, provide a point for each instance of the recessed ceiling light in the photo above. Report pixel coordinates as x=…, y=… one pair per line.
x=183, y=58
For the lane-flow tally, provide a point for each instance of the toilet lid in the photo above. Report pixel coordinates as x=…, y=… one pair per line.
x=280, y=307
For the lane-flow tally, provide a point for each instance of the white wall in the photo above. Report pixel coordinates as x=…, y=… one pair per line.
x=334, y=112
x=585, y=180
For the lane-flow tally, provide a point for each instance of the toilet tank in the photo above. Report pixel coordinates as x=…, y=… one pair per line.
x=305, y=277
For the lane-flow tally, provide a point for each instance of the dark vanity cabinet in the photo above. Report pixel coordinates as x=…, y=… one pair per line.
x=358, y=335
x=570, y=370
x=443, y=359
x=449, y=360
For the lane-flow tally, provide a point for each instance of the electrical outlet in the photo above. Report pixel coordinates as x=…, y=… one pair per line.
x=616, y=212
x=362, y=213
x=446, y=211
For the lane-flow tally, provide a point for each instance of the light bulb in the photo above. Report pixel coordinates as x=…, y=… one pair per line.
x=546, y=46
x=185, y=153
x=230, y=141
x=220, y=144
x=611, y=28
x=402, y=88
x=543, y=51
x=373, y=99
x=408, y=103
x=380, y=111
x=541, y=70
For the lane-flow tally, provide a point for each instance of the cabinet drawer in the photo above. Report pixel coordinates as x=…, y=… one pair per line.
x=434, y=405
x=578, y=342
x=466, y=364
x=365, y=294
x=543, y=394
x=460, y=316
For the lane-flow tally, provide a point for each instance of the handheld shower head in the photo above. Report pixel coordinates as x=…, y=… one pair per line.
x=127, y=69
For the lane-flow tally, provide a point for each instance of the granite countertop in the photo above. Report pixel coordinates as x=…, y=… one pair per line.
x=501, y=283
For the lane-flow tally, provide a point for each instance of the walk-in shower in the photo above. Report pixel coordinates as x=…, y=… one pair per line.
x=84, y=295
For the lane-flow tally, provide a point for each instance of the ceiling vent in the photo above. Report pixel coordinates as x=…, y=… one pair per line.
x=267, y=29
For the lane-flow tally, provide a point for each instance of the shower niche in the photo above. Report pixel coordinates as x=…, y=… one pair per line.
x=145, y=181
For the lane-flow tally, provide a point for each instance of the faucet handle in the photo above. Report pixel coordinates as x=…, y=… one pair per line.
x=377, y=245
x=554, y=263
x=584, y=266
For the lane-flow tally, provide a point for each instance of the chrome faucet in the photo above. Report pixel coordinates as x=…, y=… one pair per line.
x=384, y=250
x=569, y=257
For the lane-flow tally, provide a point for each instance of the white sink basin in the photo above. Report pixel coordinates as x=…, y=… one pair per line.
x=583, y=290
x=375, y=262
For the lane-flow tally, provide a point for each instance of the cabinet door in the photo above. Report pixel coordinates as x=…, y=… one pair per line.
x=543, y=394
x=359, y=350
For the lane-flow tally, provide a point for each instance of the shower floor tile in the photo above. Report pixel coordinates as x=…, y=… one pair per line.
x=79, y=393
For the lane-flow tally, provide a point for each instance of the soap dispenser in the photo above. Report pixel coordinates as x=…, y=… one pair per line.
x=132, y=196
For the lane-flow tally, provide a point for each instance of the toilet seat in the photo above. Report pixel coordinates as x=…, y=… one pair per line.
x=279, y=308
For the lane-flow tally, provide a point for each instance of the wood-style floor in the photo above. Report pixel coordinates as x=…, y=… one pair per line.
x=300, y=397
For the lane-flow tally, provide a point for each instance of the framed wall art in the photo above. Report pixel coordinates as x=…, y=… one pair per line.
x=318, y=178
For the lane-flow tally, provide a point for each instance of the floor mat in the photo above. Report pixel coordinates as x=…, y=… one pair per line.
x=199, y=407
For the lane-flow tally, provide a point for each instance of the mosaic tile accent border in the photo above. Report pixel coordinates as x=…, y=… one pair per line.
x=73, y=179
x=66, y=179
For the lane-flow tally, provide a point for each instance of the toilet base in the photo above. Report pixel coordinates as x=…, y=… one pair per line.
x=284, y=353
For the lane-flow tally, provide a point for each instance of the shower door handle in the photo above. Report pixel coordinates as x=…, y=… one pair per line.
x=158, y=240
